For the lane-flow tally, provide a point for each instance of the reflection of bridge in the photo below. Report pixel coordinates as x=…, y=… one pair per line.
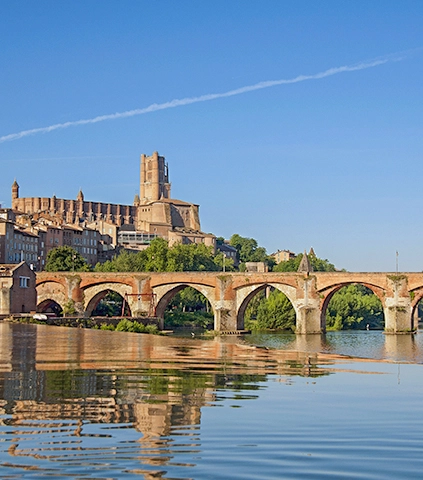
x=229, y=293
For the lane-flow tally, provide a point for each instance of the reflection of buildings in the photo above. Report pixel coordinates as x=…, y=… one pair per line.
x=95, y=397
x=142, y=375
x=55, y=378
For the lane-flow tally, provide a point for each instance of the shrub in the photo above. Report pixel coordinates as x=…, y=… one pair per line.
x=107, y=326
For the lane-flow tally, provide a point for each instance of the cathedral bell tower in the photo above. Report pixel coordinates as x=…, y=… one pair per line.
x=154, y=178
x=15, y=193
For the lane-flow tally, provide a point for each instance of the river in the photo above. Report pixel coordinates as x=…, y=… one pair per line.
x=93, y=404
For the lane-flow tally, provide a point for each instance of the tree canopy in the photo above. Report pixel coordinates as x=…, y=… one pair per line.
x=65, y=259
x=159, y=257
x=354, y=307
x=249, y=251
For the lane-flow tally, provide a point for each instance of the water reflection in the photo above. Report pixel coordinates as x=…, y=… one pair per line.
x=87, y=403
x=362, y=344
x=56, y=383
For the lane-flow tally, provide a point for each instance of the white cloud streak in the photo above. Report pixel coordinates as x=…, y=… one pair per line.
x=203, y=98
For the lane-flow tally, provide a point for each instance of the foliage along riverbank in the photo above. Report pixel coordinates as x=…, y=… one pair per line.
x=118, y=325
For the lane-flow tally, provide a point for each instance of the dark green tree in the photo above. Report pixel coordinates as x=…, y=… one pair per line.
x=194, y=257
x=272, y=313
x=249, y=251
x=354, y=307
x=190, y=309
x=124, y=262
x=159, y=257
x=276, y=313
x=109, y=306
x=65, y=259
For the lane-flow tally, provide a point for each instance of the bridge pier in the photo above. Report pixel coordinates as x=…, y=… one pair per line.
x=398, y=319
x=225, y=308
x=397, y=308
x=75, y=295
x=225, y=320
x=307, y=307
x=308, y=320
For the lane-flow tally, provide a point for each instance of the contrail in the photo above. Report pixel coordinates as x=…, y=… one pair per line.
x=204, y=98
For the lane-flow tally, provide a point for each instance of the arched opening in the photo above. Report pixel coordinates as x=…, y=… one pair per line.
x=108, y=303
x=266, y=308
x=353, y=307
x=185, y=307
x=50, y=306
x=417, y=315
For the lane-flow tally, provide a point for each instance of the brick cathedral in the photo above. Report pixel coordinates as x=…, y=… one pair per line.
x=153, y=210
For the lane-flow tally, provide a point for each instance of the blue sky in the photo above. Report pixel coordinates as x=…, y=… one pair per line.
x=333, y=163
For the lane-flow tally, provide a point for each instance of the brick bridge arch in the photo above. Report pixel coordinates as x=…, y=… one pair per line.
x=165, y=293
x=229, y=293
x=327, y=294
x=93, y=294
x=244, y=294
x=52, y=290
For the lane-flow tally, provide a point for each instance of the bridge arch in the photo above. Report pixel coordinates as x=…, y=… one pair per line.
x=416, y=296
x=328, y=294
x=165, y=293
x=246, y=293
x=95, y=293
x=50, y=306
x=49, y=294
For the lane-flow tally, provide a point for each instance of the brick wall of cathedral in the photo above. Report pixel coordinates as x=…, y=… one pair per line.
x=153, y=210
x=75, y=211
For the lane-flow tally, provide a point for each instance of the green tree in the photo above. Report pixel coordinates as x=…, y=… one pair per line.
x=194, y=257
x=109, y=306
x=354, y=307
x=272, y=313
x=65, y=259
x=220, y=259
x=158, y=257
x=189, y=300
x=249, y=251
x=190, y=309
x=124, y=262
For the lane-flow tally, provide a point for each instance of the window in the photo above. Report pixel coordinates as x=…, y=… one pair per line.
x=24, y=282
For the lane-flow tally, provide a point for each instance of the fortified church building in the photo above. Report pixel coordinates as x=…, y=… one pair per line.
x=153, y=211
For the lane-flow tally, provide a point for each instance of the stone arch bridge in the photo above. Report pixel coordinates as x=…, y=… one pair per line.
x=229, y=293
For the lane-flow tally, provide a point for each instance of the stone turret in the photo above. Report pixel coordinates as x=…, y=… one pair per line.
x=80, y=197
x=305, y=265
x=15, y=190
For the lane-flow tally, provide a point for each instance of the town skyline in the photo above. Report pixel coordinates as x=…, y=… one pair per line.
x=333, y=163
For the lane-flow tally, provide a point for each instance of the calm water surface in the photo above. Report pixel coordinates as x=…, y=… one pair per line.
x=102, y=405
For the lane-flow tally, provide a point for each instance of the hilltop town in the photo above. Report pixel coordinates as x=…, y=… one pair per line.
x=97, y=230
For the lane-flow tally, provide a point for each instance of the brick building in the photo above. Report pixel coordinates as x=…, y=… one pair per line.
x=17, y=244
x=17, y=289
x=283, y=255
